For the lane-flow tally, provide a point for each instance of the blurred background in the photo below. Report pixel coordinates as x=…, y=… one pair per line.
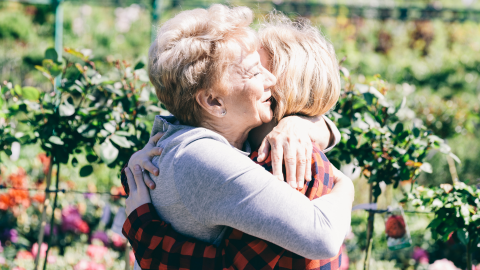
x=426, y=51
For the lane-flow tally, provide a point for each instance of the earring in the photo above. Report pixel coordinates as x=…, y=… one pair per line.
x=224, y=113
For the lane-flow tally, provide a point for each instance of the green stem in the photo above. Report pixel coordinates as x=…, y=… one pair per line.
x=41, y=225
x=469, y=254
x=52, y=220
x=370, y=228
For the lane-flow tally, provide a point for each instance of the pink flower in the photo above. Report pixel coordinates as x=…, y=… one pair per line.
x=443, y=264
x=2, y=260
x=51, y=259
x=420, y=255
x=18, y=268
x=102, y=236
x=24, y=255
x=118, y=240
x=132, y=257
x=43, y=250
x=88, y=265
x=72, y=220
x=96, y=252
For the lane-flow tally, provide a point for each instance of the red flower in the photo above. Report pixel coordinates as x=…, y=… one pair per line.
x=24, y=255
x=45, y=162
x=395, y=226
x=39, y=197
x=5, y=201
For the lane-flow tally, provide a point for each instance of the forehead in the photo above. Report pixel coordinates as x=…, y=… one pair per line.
x=243, y=60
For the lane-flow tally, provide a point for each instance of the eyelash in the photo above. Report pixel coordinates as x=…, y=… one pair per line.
x=256, y=74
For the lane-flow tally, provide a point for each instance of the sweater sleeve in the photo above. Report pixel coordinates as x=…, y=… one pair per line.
x=335, y=132
x=220, y=186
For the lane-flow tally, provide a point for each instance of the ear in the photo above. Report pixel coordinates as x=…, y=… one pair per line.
x=211, y=103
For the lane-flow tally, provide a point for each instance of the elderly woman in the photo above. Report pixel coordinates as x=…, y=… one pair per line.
x=207, y=72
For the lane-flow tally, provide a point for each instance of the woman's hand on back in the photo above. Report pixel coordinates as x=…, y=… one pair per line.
x=139, y=194
x=289, y=140
x=143, y=159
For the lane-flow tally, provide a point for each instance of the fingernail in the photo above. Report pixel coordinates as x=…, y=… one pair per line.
x=293, y=185
x=155, y=172
x=137, y=168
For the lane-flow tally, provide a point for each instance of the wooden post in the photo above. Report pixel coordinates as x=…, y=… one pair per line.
x=127, y=256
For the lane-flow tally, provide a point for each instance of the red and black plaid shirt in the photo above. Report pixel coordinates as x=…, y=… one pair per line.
x=158, y=246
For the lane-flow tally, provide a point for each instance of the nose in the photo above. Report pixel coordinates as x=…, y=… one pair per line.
x=269, y=79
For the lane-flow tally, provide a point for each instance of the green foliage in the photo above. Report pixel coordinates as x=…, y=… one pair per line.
x=102, y=115
x=16, y=26
x=375, y=139
x=456, y=210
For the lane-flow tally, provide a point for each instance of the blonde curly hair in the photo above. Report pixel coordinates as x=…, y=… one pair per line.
x=194, y=51
x=304, y=62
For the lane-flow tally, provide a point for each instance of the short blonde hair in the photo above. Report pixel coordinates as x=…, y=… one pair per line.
x=194, y=51
x=304, y=62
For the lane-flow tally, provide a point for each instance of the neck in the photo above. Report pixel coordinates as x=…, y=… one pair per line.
x=256, y=136
x=233, y=134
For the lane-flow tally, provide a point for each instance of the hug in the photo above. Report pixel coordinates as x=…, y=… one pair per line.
x=238, y=177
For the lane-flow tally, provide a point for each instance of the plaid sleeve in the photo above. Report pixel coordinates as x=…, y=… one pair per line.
x=157, y=246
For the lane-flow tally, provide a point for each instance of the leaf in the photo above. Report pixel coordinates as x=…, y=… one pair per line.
x=426, y=167
x=51, y=54
x=108, y=152
x=55, y=140
x=109, y=127
x=66, y=109
x=398, y=128
x=18, y=90
x=74, y=162
x=91, y=158
x=121, y=141
x=76, y=54
x=455, y=157
x=30, y=93
x=463, y=236
x=86, y=170
x=139, y=65
x=416, y=132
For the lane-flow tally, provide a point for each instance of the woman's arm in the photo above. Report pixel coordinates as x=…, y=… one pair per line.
x=155, y=231
x=282, y=140
x=229, y=189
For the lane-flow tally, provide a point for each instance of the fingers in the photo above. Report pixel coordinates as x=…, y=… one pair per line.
x=153, y=140
x=139, y=180
x=138, y=175
x=277, y=158
x=291, y=165
x=263, y=150
x=308, y=165
x=130, y=179
x=147, y=163
x=301, y=165
x=148, y=181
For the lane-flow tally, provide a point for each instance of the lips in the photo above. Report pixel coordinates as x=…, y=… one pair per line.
x=269, y=99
